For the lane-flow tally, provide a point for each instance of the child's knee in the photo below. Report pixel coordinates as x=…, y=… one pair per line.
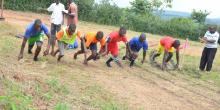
x=39, y=47
x=39, y=44
x=61, y=55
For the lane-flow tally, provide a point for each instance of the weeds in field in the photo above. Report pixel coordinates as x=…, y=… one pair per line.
x=97, y=97
x=14, y=98
x=62, y=106
x=57, y=87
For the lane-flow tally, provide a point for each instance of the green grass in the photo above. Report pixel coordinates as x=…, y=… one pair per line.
x=97, y=97
x=66, y=84
x=62, y=106
x=90, y=93
x=15, y=98
x=213, y=77
x=57, y=87
x=7, y=45
x=6, y=28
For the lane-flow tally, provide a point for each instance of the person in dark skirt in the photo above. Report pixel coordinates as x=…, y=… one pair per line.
x=211, y=43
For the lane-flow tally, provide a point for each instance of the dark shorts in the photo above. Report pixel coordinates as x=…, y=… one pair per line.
x=92, y=47
x=134, y=50
x=54, y=29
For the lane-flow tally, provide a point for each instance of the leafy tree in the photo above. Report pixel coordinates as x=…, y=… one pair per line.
x=108, y=13
x=147, y=6
x=86, y=9
x=199, y=16
x=139, y=17
x=141, y=6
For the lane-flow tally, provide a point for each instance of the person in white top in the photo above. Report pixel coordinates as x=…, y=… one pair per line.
x=57, y=19
x=211, y=44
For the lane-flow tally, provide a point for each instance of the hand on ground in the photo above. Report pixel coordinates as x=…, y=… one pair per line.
x=46, y=52
x=20, y=56
x=85, y=62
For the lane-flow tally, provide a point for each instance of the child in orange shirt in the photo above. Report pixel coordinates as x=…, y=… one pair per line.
x=89, y=41
x=66, y=36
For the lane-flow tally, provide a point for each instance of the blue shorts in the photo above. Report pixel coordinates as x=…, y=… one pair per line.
x=93, y=46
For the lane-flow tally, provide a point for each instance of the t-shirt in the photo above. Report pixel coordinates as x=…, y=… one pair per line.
x=91, y=38
x=210, y=36
x=61, y=35
x=57, y=13
x=136, y=44
x=115, y=37
x=32, y=32
x=167, y=42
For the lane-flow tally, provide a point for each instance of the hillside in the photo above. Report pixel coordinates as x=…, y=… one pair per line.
x=166, y=14
x=69, y=85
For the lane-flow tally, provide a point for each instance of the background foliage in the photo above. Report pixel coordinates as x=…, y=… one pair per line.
x=139, y=17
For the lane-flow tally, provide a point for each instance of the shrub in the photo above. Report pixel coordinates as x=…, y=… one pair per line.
x=110, y=14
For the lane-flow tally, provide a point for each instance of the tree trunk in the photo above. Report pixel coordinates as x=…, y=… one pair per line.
x=2, y=8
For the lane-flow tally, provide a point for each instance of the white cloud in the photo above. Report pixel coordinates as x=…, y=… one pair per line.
x=189, y=5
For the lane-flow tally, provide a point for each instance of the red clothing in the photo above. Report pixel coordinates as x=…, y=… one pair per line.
x=116, y=38
x=113, y=49
x=167, y=42
x=113, y=44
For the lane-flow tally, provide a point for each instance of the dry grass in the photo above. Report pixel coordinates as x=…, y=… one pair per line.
x=71, y=85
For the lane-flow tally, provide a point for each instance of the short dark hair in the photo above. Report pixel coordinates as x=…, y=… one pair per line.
x=72, y=27
x=143, y=35
x=176, y=44
x=71, y=1
x=122, y=30
x=99, y=35
x=37, y=22
x=213, y=27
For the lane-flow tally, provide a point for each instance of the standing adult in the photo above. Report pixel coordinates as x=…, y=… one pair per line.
x=57, y=18
x=211, y=43
x=72, y=13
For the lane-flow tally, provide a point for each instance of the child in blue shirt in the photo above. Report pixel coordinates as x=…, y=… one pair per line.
x=135, y=45
x=34, y=35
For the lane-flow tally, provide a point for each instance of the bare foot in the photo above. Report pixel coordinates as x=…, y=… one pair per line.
x=52, y=53
x=85, y=62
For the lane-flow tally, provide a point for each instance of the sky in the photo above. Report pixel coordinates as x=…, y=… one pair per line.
x=187, y=6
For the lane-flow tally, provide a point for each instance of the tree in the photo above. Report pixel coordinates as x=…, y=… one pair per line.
x=108, y=13
x=141, y=6
x=85, y=8
x=199, y=16
x=2, y=9
x=147, y=6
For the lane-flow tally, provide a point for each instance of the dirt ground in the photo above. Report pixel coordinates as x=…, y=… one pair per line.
x=141, y=88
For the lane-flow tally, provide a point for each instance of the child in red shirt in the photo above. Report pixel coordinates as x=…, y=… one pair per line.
x=112, y=45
